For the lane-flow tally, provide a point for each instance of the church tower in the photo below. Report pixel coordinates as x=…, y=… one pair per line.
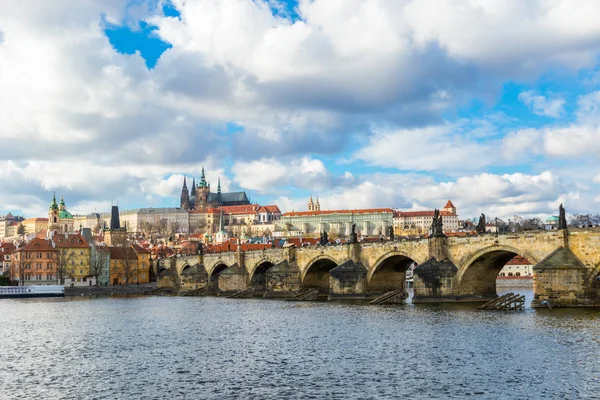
x=202, y=192
x=185, y=196
x=317, y=205
x=53, y=217
x=311, y=204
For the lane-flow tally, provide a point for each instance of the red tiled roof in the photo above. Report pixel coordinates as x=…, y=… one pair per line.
x=270, y=208
x=7, y=248
x=449, y=205
x=243, y=209
x=72, y=240
x=140, y=249
x=422, y=214
x=362, y=211
x=122, y=253
x=37, y=244
x=518, y=260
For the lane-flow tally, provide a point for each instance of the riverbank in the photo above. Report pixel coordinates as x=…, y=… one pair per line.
x=146, y=289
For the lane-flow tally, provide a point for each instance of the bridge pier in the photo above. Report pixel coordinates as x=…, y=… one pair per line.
x=434, y=282
x=283, y=280
x=348, y=281
x=560, y=280
x=232, y=280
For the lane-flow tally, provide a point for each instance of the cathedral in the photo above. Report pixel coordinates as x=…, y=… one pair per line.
x=201, y=198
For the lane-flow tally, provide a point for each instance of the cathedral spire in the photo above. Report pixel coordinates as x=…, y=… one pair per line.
x=185, y=196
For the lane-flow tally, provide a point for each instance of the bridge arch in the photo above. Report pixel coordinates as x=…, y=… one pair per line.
x=213, y=277
x=477, y=274
x=316, y=273
x=258, y=275
x=389, y=272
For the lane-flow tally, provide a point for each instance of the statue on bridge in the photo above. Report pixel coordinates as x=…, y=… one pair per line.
x=437, y=225
x=562, y=219
x=353, y=236
x=324, y=239
x=391, y=229
x=481, y=226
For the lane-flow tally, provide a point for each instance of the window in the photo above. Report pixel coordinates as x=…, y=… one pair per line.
x=49, y=266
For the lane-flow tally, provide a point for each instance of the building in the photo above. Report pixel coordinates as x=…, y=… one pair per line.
x=551, y=223
x=419, y=222
x=144, y=264
x=99, y=259
x=92, y=221
x=129, y=266
x=33, y=226
x=200, y=197
x=154, y=220
x=337, y=223
x=8, y=225
x=74, y=251
x=35, y=263
x=517, y=267
x=59, y=219
x=6, y=250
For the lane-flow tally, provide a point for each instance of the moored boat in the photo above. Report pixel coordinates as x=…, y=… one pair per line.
x=14, y=292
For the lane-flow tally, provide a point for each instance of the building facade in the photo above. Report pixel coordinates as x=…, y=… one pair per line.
x=76, y=252
x=8, y=225
x=419, y=222
x=35, y=263
x=6, y=250
x=337, y=223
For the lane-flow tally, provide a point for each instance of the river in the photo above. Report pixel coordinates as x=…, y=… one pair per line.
x=216, y=348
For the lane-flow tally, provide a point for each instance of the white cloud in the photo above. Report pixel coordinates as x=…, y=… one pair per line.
x=425, y=149
x=520, y=145
x=273, y=176
x=495, y=195
x=542, y=105
x=597, y=179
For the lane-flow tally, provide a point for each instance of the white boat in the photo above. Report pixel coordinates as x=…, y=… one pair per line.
x=15, y=292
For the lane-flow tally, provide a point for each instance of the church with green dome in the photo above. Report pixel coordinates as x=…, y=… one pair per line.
x=59, y=219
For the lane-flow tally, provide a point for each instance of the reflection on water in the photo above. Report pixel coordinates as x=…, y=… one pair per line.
x=155, y=348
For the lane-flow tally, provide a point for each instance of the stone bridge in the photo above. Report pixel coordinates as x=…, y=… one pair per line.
x=450, y=269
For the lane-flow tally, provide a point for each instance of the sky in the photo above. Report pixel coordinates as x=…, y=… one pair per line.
x=494, y=104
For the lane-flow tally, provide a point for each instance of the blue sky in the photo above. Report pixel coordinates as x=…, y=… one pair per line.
x=365, y=103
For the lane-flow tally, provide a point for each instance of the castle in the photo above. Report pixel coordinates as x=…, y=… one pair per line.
x=201, y=198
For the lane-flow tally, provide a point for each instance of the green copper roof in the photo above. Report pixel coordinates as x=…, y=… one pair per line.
x=65, y=214
x=53, y=205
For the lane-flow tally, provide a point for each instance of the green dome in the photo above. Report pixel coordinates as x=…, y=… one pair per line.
x=65, y=214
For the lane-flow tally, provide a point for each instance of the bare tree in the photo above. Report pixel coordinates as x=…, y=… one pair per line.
x=128, y=269
x=584, y=220
x=163, y=226
x=97, y=228
x=18, y=266
x=174, y=228
x=98, y=262
x=63, y=258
